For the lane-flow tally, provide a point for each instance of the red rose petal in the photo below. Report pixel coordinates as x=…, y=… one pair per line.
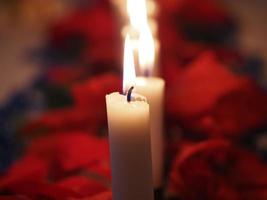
x=28, y=168
x=91, y=94
x=206, y=13
x=66, y=119
x=78, y=150
x=93, y=22
x=102, y=196
x=72, y=150
x=257, y=193
x=13, y=197
x=101, y=169
x=65, y=75
x=216, y=170
x=175, y=46
x=200, y=86
x=83, y=186
x=203, y=13
x=37, y=189
x=241, y=111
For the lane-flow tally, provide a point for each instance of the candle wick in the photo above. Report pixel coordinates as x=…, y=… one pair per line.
x=129, y=94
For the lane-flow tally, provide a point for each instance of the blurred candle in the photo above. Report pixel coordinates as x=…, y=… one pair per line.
x=137, y=13
x=141, y=15
x=153, y=89
x=129, y=139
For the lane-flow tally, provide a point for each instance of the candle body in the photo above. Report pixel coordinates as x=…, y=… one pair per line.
x=129, y=140
x=153, y=89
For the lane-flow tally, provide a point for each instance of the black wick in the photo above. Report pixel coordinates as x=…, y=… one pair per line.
x=129, y=94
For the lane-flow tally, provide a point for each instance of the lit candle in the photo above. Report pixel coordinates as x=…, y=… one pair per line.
x=153, y=89
x=129, y=139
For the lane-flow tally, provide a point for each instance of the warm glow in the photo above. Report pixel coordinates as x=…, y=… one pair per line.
x=128, y=65
x=146, y=51
x=137, y=12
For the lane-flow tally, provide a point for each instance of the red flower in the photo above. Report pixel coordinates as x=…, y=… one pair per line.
x=39, y=190
x=196, y=12
x=66, y=119
x=78, y=150
x=234, y=114
x=174, y=44
x=13, y=197
x=102, y=196
x=241, y=111
x=199, y=87
x=100, y=169
x=28, y=168
x=109, y=54
x=93, y=22
x=65, y=75
x=96, y=25
x=53, y=166
x=208, y=100
x=71, y=151
x=83, y=186
x=91, y=94
x=88, y=113
x=216, y=170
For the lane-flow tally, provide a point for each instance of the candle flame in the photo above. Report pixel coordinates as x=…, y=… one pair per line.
x=137, y=12
x=128, y=66
x=146, y=51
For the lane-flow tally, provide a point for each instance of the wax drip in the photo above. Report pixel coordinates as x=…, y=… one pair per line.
x=129, y=94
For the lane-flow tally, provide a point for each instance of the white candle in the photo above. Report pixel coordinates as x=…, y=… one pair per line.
x=153, y=89
x=129, y=140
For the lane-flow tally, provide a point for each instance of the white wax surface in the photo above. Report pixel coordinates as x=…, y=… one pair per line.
x=153, y=89
x=129, y=140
